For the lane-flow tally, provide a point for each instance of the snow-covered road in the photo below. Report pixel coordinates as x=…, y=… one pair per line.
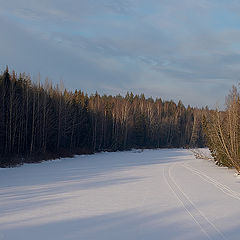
x=154, y=194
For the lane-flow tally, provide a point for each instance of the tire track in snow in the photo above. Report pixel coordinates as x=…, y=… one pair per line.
x=206, y=226
x=225, y=189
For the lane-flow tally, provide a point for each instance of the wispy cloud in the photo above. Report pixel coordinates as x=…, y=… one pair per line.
x=159, y=47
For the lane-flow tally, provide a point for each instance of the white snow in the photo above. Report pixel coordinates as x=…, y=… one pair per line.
x=154, y=194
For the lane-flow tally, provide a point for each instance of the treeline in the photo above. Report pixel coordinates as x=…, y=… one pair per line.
x=222, y=131
x=40, y=121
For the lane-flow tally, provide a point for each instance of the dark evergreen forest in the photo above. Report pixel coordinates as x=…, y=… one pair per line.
x=40, y=121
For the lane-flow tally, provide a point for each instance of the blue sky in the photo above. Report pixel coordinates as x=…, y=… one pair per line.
x=188, y=50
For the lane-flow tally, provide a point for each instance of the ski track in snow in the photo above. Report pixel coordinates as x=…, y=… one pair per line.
x=206, y=226
x=214, y=182
x=173, y=186
x=135, y=195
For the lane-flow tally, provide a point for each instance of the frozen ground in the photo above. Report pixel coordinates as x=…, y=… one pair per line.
x=155, y=194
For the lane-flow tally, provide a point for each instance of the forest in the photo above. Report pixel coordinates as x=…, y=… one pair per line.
x=222, y=132
x=39, y=121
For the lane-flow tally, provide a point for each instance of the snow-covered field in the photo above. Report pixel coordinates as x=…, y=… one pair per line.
x=154, y=194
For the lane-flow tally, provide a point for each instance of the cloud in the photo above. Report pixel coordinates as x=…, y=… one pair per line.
x=158, y=47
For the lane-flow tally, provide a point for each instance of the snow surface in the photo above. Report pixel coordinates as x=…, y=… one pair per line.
x=154, y=194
